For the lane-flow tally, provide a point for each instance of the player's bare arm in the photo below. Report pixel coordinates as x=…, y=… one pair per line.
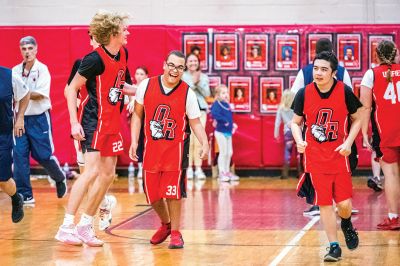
x=201, y=135
x=19, y=127
x=136, y=124
x=71, y=96
x=366, y=100
x=357, y=119
x=296, y=131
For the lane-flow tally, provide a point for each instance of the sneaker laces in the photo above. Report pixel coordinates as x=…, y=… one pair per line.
x=103, y=213
x=351, y=233
x=89, y=233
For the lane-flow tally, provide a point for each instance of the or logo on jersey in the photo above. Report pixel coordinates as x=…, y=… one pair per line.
x=115, y=93
x=325, y=129
x=161, y=126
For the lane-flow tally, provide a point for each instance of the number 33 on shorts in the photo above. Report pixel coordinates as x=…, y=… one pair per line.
x=171, y=191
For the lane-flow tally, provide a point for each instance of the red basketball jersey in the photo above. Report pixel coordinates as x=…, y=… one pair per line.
x=166, y=127
x=326, y=129
x=109, y=92
x=387, y=105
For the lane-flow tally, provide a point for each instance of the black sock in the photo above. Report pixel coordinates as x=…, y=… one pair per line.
x=346, y=222
x=15, y=198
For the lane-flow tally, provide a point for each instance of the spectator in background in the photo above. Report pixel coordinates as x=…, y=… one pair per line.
x=141, y=74
x=222, y=114
x=12, y=89
x=284, y=115
x=37, y=140
x=199, y=83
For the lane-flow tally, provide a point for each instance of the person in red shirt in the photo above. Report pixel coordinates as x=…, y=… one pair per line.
x=97, y=128
x=380, y=92
x=324, y=107
x=169, y=108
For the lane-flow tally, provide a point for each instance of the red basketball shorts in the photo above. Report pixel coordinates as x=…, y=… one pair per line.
x=169, y=185
x=108, y=145
x=331, y=187
x=390, y=154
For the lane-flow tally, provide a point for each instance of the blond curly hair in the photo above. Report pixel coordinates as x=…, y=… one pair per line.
x=106, y=24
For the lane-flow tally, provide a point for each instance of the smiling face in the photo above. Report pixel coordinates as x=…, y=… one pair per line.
x=173, y=70
x=28, y=52
x=323, y=73
x=192, y=63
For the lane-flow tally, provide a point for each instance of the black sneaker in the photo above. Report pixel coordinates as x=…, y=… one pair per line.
x=17, y=212
x=61, y=188
x=351, y=236
x=334, y=254
x=375, y=184
x=313, y=211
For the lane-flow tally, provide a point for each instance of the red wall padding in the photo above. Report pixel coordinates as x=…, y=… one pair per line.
x=254, y=145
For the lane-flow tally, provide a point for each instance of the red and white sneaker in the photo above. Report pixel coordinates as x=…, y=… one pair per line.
x=162, y=233
x=68, y=235
x=87, y=235
x=176, y=240
x=389, y=224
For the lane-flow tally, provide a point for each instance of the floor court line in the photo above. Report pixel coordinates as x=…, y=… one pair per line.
x=294, y=241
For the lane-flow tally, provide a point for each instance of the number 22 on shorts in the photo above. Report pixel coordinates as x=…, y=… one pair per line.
x=117, y=146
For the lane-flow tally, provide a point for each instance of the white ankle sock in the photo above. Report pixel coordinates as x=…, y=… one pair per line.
x=68, y=219
x=392, y=215
x=86, y=219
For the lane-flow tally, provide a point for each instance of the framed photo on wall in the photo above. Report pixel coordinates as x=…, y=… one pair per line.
x=240, y=93
x=356, y=84
x=287, y=52
x=215, y=81
x=291, y=81
x=373, y=41
x=271, y=89
x=349, y=51
x=226, y=49
x=312, y=43
x=256, y=51
x=197, y=43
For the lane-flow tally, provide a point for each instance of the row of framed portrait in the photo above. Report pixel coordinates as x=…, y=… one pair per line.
x=270, y=91
x=286, y=54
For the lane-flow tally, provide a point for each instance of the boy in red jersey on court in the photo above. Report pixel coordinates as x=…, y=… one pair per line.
x=98, y=128
x=324, y=106
x=380, y=93
x=169, y=108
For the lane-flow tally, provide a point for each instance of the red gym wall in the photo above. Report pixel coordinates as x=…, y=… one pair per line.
x=254, y=144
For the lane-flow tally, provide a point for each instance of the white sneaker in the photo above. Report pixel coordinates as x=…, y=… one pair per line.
x=189, y=173
x=199, y=174
x=224, y=177
x=233, y=176
x=108, y=204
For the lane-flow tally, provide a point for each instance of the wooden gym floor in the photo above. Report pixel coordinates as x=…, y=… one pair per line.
x=257, y=221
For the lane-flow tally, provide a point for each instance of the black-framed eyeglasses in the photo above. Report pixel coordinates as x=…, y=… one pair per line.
x=179, y=68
